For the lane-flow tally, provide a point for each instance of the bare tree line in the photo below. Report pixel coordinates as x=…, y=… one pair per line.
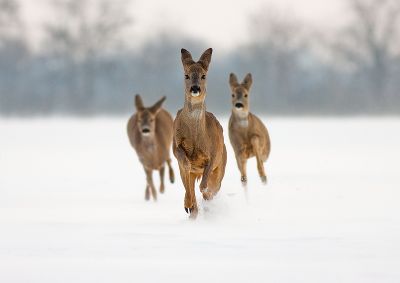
x=85, y=66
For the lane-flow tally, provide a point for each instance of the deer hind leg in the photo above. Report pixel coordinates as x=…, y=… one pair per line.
x=149, y=178
x=147, y=193
x=255, y=142
x=170, y=171
x=162, y=187
x=242, y=164
x=216, y=176
x=214, y=184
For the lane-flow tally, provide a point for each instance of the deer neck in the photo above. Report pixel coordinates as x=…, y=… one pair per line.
x=241, y=117
x=196, y=116
x=149, y=143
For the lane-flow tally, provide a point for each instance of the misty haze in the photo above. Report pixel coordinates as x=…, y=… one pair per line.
x=84, y=63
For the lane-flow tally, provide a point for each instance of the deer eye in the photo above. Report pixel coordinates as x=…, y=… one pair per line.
x=233, y=95
x=245, y=95
x=203, y=77
x=187, y=77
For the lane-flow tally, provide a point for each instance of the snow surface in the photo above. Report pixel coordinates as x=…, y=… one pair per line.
x=72, y=207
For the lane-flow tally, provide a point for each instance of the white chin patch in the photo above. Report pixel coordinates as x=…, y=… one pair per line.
x=146, y=134
x=195, y=94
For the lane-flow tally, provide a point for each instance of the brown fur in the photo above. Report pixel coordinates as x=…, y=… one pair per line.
x=198, y=137
x=247, y=133
x=152, y=149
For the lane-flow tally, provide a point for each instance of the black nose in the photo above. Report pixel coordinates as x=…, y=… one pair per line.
x=239, y=105
x=195, y=89
x=145, y=131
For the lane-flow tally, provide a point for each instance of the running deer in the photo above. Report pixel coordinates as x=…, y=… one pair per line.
x=150, y=134
x=198, y=137
x=247, y=133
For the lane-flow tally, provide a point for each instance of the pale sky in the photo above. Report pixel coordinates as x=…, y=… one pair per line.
x=222, y=23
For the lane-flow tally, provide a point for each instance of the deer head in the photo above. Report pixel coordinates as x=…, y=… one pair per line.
x=240, y=93
x=147, y=116
x=195, y=75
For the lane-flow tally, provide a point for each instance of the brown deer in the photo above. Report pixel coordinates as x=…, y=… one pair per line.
x=247, y=133
x=150, y=134
x=198, y=137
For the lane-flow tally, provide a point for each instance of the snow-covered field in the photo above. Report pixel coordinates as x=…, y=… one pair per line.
x=72, y=207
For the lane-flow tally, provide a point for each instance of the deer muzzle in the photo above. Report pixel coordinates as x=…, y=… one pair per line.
x=239, y=106
x=146, y=131
x=195, y=90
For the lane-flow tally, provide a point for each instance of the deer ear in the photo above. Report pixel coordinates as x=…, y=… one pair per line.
x=138, y=102
x=157, y=106
x=205, y=58
x=233, y=81
x=248, y=80
x=186, y=57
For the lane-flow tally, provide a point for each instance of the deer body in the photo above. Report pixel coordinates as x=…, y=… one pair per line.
x=247, y=133
x=150, y=134
x=198, y=136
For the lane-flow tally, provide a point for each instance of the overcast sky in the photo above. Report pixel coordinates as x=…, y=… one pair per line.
x=222, y=23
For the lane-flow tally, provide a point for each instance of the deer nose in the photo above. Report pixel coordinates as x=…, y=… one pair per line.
x=145, y=130
x=195, y=89
x=239, y=105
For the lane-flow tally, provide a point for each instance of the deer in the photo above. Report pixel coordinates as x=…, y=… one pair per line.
x=248, y=135
x=150, y=134
x=198, y=142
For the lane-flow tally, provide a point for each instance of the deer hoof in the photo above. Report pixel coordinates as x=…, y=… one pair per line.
x=191, y=211
x=203, y=188
x=264, y=180
x=244, y=180
x=207, y=195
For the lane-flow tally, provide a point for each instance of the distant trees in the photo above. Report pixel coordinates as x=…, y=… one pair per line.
x=85, y=65
x=363, y=74
x=10, y=22
x=370, y=46
x=84, y=33
x=13, y=55
x=287, y=74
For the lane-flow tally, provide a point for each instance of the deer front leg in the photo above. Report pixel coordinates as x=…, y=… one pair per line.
x=190, y=196
x=242, y=162
x=255, y=142
x=162, y=170
x=149, y=178
x=180, y=155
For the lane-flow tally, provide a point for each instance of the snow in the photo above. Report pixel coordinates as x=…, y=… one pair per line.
x=72, y=207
